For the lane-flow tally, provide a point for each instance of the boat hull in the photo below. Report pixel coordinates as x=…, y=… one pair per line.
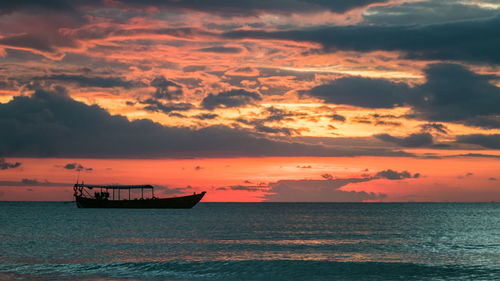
x=183, y=202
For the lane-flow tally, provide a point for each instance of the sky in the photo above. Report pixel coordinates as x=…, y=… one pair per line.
x=278, y=100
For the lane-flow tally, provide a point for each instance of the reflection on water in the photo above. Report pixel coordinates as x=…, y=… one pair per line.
x=228, y=241
x=318, y=242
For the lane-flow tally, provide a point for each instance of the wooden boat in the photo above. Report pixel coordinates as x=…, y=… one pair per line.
x=101, y=198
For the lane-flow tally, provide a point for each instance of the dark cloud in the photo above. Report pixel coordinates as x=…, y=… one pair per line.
x=58, y=5
x=473, y=40
x=175, y=114
x=72, y=166
x=249, y=7
x=166, y=89
x=33, y=182
x=337, y=117
x=361, y=120
x=88, y=81
x=489, y=122
x=52, y=124
x=251, y=188
x=190, y=83
x=480, y=155
x=222, y=50
x=427, y=12
x=245, y=71
x=180, y=32
x=318, y=191
x=48, y=46
x=273, y=114
x=193, y=68
x=413, y=140
x=206, y=116
x=4, y=165
x=394, y=175
x=28, y=41
x=165, y=190
x=363, y=92
x=31, y=28
x=492, y=179
x=487, y=141
x=156, y=105
x=232, y=98
x=277, y=114
x=440, y=128
x=387, y=123
x=348, y=144
x=76, y=167
x=452, y=93
x=389, y=116
x=30, y=182
x=223, y=8
x=274, y=130
x=327, y=176
x=8, y=84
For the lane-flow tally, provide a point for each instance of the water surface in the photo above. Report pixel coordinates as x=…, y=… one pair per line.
x=252, y=241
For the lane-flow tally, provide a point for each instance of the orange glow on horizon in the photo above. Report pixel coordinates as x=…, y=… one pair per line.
x=453, y=179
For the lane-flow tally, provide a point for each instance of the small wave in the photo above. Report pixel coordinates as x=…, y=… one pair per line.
x=247, y=270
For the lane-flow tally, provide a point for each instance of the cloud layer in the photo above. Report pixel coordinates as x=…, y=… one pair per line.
x=187, y=79
x=318, y=191
x=51, y=124
x=451, y=93
x=462, y=40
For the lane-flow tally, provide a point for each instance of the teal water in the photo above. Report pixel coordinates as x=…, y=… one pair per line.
x=252, y=241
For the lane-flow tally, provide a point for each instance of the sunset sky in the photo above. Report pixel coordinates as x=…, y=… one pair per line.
x=278, y=100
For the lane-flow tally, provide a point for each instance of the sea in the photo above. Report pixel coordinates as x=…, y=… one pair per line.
x=251, y=241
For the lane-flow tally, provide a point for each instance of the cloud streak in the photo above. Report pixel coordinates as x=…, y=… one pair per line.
x=232, y=98
x=4, y=165
x=472, y=40
x=33, y=182
x=488, y=141
x=318, y=191
x=413, y=140
x=394, y=175
x=223, y=8
x=76, y=167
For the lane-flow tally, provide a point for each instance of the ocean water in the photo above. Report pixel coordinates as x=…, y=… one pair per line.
x=252, y=241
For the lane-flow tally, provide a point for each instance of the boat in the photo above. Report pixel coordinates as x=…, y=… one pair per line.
x=102, y=199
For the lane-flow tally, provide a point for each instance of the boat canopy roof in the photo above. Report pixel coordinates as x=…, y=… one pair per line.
x=90, y=186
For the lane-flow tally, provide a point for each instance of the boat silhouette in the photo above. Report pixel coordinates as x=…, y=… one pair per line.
x=102, y=199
